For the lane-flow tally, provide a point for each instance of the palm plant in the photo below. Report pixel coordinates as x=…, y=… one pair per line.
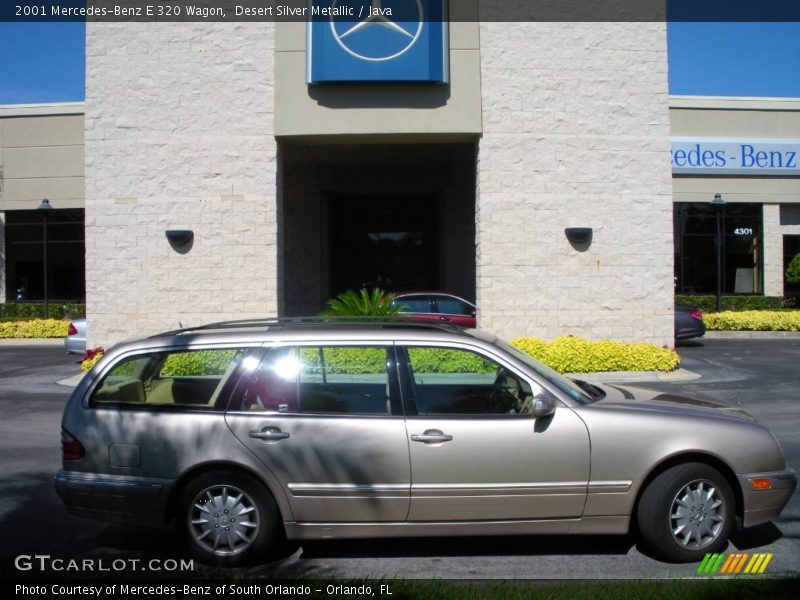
x=362, y=303
x=793, y=270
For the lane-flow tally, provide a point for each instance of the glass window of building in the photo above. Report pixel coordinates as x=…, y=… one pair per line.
x=24, y=251
x=695, y=257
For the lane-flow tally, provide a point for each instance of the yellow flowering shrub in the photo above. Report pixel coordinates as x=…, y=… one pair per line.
x=36, y=328
x=753, y=320
x=87, y=364
x=570, y=354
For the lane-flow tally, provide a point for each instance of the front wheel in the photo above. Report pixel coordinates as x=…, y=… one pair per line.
x=686, y=512
x=226, y=519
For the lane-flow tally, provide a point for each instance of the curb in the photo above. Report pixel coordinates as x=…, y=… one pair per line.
x=637, y=376
x=32, y=342
x=71, y=381
x=761, y=335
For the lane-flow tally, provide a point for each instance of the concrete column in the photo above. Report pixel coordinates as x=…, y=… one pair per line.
x=2, y=256
x=179, y=135
x=576, y=134
x=773, y=250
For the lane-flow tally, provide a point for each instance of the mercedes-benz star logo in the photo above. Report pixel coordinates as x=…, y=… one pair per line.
x=394, y=43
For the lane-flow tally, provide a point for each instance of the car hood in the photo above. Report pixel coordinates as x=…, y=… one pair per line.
x=641, y=399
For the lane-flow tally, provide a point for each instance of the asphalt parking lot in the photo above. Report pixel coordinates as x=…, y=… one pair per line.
x=763, y=375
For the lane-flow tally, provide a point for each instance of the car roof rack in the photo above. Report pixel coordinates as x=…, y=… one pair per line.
x=318, y=321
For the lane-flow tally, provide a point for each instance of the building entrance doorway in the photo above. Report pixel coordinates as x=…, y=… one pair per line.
x=386, y=241
x=400, y=217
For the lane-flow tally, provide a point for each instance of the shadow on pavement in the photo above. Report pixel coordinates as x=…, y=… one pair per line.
x=470, y=546
x=754, y=537
x=36, y=522
x=689, y=344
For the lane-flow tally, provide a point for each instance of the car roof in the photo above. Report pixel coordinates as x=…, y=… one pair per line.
x=430, y=293
x=306, y=329
x=425, y=293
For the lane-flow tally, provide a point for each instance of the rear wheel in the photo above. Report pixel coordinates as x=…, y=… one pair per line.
x=227, y=518
x=686, y=512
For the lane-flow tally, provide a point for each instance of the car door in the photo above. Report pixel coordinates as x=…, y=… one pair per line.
x=327, y=422
x=476, y=451
x=456, y=311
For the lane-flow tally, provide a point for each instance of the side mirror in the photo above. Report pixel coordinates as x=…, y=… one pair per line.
x=544, y=405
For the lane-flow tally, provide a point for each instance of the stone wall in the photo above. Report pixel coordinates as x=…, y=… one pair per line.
x=2, y=257
x=777, y=223
x=179, y=135
x=576, y=133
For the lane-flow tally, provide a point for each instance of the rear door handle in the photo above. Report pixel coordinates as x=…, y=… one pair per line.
x=431, y=436
x=270, y=434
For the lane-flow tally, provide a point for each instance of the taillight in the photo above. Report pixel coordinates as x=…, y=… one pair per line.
x=697, y=314
x=71, y=448
x=72, y=330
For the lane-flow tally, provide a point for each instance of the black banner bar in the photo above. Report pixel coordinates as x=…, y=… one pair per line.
x=222, y=11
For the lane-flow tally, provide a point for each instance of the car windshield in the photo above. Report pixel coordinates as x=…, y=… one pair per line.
x=564, y=384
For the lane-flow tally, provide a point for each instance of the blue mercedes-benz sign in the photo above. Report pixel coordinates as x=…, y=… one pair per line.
x=377, y=41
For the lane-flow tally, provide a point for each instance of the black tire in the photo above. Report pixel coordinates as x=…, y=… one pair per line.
x=254, y=516
x=696, y=516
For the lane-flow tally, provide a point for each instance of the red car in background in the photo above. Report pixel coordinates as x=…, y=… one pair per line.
x=437, y=306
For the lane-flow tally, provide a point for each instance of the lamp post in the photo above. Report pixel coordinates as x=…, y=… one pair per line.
x=44, y=208
x=718, y=203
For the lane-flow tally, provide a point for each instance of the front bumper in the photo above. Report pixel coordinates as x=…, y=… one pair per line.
x=119, y=499
x=763, y=506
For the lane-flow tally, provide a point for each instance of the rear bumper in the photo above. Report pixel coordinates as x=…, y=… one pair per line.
x=690, y=331
x=74, y=344
x=763, y=506
x=119, y=499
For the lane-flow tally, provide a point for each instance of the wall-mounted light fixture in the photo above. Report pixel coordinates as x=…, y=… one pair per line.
x=579, y=235
x=180, y=239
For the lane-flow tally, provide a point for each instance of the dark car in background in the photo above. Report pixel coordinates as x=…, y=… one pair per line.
x=688, y=322
x=437, y=306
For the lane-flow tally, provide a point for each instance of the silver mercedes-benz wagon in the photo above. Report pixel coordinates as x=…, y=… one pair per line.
x=247, y=431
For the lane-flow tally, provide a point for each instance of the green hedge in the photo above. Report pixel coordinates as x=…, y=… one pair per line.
x=39, y=328
x=566, y=354
x=35, y=310
x=753, y=320
x=183, y=364
x=202, y=362
x=735, y=303
x=569, y=354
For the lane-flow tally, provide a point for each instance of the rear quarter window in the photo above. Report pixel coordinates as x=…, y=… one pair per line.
x=191, y=379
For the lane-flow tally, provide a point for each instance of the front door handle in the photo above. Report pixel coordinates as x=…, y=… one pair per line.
x=270, y=434
x=431, y=436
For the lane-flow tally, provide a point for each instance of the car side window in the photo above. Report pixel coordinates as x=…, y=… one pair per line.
x=451, y=381
x=320, y=380
x=452, y=306
x=186, y=379
x=414, y=304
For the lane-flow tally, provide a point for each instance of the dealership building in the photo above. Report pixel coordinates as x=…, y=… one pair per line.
x=221, y=171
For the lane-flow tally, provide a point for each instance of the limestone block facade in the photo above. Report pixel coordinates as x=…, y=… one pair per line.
x=179, y=135
x=575, y=134
x=570, y=128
